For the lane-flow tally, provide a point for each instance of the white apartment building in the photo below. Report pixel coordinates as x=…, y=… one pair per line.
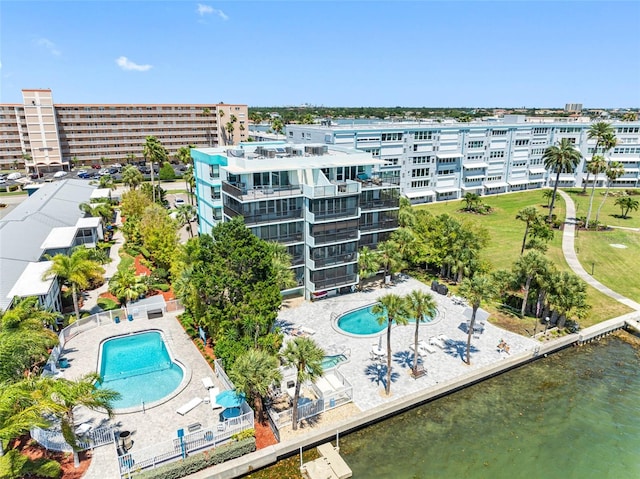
x=47, y=136
x=433, y=161
x=322, y=202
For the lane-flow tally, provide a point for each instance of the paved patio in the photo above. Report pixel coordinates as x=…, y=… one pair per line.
x=363, y=373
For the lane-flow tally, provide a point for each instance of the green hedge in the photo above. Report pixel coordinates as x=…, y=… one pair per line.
x=201, y=461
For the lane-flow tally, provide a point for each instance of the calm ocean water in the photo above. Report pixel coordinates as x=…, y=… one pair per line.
x=575, y=414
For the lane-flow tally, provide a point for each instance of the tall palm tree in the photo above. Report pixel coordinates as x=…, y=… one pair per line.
x=389, y=257
x=529, y=267
x=76, y=270
x=420, y=305
x=70, y=395
x=368, y=264
x=190, y=183
x=153, y=151
x=476, y=290
x=184, y=215
x=253, y=373
x=615, y=170
x=529, y=215
x=562, y=158
x=390, y=308
x=598, y=131
x=126, y=286
x=281, y=266
x=206, y=112
x=277, y=126
x=132, y=177
x=106, y=181
x=567, y=296
x=306, y=356
x=595, y=166
x=547, y=194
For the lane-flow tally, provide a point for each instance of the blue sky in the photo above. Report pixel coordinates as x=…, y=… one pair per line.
x=348, y=53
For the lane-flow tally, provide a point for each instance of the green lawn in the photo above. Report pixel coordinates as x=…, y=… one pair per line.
x=506, y=233
x=614, y=267
x=610, y=214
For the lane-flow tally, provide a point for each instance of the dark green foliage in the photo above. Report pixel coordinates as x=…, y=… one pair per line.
x=14, y=465
x=107, y=304
x=166, y=172
x=201, y=461
x=159, y=275
x=234, y=279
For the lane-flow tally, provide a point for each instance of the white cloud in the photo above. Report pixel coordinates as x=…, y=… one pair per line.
x=209, y=10
x=126, y=64
x=49, y=45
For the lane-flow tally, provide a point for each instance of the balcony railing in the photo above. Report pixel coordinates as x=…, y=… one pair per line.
x=322, y=284
x=380, y=225
x=379, y=204
x=338, y=189
x=335, y=237
x=336, y=213
x=335, y=260
x=253, y=218
x=258, y=193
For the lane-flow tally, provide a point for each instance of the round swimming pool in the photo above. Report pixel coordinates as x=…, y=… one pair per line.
x=139, y=367
x=362, y=322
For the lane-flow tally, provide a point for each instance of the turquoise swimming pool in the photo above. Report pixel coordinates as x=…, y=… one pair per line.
x=329, y=362
x=362, y=322
x=139, y=367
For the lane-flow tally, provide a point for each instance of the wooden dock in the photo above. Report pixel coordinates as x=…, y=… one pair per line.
x=329, y=465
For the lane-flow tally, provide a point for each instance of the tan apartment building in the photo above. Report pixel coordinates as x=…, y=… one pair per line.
x=41, y=135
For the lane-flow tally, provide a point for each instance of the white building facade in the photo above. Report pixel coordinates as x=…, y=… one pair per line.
x=323, y=203
x=433, y=161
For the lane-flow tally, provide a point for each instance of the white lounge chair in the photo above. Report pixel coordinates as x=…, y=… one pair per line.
x=426, y=346
x=437, y=341
x=207, y=382
x=421, y=352
x=307, y=330
x=213, y=392
x=182, y=410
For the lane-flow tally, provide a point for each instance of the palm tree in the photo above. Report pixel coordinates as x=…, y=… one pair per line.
x=596, y=166
x=184, y=215
x=100, y=209
x=420, y=305
x=476, y=290
x=106, y=181
x=598, y=131
x=389, y=257
x=390, y=308
x=281, y=266
x=76, y=270
x=529, y=215
x=562, y=158
x=567, y=295
x=547, y=194
x=132, y=177
x=529, y=267
x=70, y=395
x=126, y=286
x=368, y=264
x=190, y=183
x=306, y=356
x=406, y=216
x=154, y=152
x=626, y=204
x=253, y=373
x=471, y=199
x=277, y=126
x=615, y=170
x=206, y=112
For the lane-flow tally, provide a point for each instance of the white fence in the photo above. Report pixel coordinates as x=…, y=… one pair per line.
x=53, y=440
x=133, y=462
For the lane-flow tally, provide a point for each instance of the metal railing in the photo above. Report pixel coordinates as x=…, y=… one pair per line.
x=53, y=440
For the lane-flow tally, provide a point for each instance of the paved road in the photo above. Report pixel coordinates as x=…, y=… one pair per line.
x=569, y=251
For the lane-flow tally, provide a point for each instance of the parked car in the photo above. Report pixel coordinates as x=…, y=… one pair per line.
x=14, y=176
x=103, y=172
x=178, y=202
x=113, y=170
x=96, y=167
x=35, y=175
x=84, y=175
x=60, y=174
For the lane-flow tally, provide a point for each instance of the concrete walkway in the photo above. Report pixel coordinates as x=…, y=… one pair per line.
x=569, y=251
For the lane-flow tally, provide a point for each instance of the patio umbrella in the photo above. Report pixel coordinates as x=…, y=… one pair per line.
x=230, y=399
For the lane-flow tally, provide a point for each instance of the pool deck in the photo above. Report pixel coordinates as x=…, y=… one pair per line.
x=159, y=424
x=156, y=424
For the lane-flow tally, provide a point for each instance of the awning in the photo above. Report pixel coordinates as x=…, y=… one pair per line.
x=419, y=194
x=537, y=181
x=565, y=178
x=61, y=237
x=537, y=171
x=517, y=182
x=499, y=184
x=470, y=166
x=447, y=189
x=475, y=177
x=472, y=188
x=449, y=155
x=631, y=170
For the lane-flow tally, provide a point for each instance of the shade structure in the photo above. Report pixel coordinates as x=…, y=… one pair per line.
x=230, y=399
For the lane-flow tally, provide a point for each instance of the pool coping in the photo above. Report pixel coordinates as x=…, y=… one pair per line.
x=186, y=371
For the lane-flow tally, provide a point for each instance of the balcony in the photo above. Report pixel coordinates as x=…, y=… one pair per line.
x=380, y=204
x=384, y=224
x=242, y=193
x=336, y=189
x=338, y=237
x=334, y=260
x=335, y=214
x=252, y=218
x=330, y=283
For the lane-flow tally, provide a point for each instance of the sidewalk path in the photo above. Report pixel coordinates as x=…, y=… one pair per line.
x=568, y=248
